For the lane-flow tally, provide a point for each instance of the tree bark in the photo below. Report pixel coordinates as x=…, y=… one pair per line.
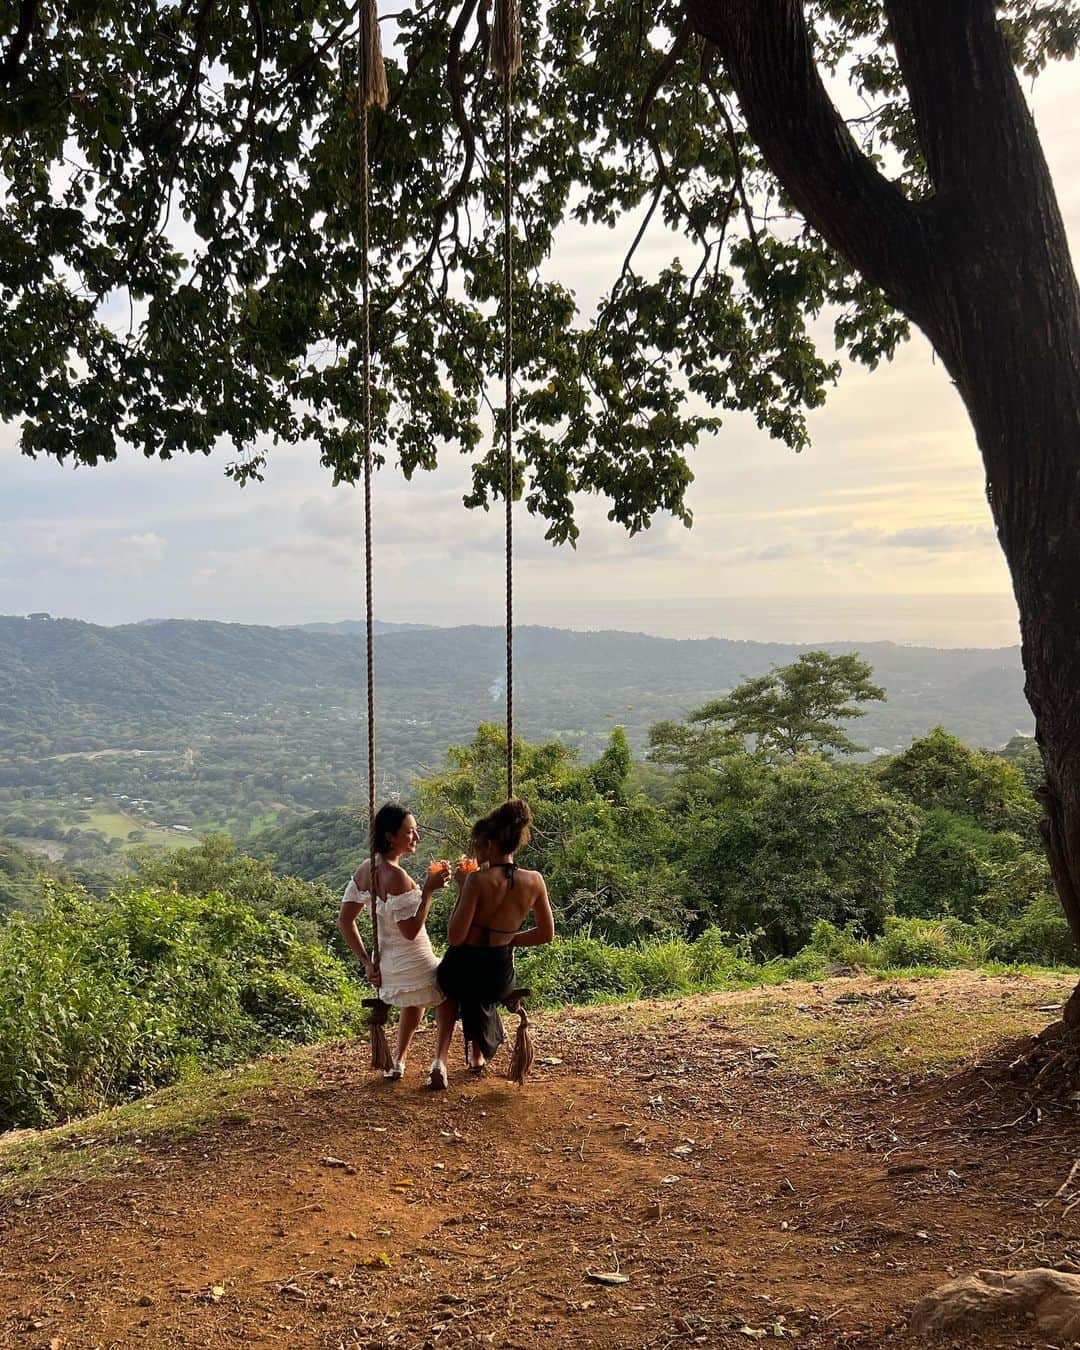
x=982, y=266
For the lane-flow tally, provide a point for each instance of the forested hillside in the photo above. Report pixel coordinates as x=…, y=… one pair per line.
x=753, y=865
x=139, y=733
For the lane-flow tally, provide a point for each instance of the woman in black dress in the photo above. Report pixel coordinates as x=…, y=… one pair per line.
x=478, y=970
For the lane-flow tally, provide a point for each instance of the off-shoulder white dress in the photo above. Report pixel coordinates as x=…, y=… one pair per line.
x=407, y=965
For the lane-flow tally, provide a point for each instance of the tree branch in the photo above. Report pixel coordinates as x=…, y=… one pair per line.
x=766, y=51
x=27, y=18
x=961, y=80
x=173, y=117
x=738, y=182
x=457, y=193
x=663, y=71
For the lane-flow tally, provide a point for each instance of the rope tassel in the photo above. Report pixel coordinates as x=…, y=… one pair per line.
x=381, y=1058
x=521, y=1061
x=504, y=53
x=371, y=73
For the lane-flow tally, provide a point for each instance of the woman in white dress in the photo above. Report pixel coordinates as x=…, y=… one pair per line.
x=405, y=976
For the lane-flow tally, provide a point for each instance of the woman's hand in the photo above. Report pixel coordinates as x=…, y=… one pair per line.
x=437, y=876
x=465, y=868
x=372, y=971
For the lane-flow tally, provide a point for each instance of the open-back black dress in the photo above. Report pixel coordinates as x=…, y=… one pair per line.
x=478, y=975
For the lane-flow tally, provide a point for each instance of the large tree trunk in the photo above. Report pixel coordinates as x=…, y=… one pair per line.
x=983, y=268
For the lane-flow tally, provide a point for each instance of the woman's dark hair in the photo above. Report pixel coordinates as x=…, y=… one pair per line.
x=507, y=827
x=388, y=820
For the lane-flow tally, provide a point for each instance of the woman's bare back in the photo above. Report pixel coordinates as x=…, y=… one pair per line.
x=505, y=895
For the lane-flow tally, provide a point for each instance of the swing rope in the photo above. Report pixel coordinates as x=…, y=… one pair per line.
x=371, y=89
x=504, y=60
x=508, y=451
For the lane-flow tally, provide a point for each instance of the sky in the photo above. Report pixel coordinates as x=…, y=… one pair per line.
x=880, y=530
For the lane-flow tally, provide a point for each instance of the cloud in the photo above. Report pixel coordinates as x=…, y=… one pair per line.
x=929, y=540
x=772, y=552
x=941, y=538
x=127, y=555
x=331, y=517
x=926, y=538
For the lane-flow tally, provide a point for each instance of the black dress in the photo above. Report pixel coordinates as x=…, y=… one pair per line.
x=478, y=977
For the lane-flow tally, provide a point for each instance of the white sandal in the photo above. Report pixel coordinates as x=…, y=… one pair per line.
x=437, y=1078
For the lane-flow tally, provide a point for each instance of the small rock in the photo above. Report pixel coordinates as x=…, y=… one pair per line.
x=1049, y=1299
x=341, y=1163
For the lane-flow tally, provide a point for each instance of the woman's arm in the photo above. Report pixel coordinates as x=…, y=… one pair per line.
x=544, y=930
x=464, y=912
x=410, y=928
x=349, y=930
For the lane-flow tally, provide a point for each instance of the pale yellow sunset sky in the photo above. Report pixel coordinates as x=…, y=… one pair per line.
x=880, y=530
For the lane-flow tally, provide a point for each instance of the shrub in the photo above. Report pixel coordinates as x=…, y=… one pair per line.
x=1040, y=936
x=663, y=967
x=717, y=958
x=102, y=1001
x=930, y=942
x=576, y=970
x=830, y=946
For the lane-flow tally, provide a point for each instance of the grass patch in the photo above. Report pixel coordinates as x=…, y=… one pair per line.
x=118, y=825
x=109, y=1142
x=847, y=1038
x=887, y=1025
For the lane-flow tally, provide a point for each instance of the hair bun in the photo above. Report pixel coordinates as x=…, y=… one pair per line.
x=507, y=826
x=517, y=812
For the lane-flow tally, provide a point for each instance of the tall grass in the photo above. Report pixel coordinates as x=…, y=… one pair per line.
x=584, y=970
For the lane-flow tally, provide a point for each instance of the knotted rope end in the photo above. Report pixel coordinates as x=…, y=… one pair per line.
x=521, y=1061
x=504, y=53
x=371, y=72
x=381, y=1058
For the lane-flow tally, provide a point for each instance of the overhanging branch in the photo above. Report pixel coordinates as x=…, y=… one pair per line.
x=766, y=50
x=27, y=18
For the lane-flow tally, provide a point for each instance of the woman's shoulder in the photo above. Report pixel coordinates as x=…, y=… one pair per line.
x=402, y=883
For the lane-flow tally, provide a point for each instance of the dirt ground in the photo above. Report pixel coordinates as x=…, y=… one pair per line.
x=754, y=1166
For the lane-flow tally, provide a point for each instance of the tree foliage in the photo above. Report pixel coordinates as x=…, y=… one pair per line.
x=795, y=709
x=20, y=879
x=179, y=230
x=605, y=850
x=812, y=842
x=216, y=866
x=939, y=771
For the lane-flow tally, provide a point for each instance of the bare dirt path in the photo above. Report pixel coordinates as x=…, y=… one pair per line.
x=695, y=1154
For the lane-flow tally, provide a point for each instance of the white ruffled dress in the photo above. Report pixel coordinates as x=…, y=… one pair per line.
x=407, y=965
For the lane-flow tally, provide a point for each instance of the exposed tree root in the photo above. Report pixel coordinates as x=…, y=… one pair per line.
x=1050, y=1061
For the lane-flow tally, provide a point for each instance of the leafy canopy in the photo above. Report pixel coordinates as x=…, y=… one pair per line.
x=939, y=771
x=605, y=850
x=179, y=225
x=793, y=710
